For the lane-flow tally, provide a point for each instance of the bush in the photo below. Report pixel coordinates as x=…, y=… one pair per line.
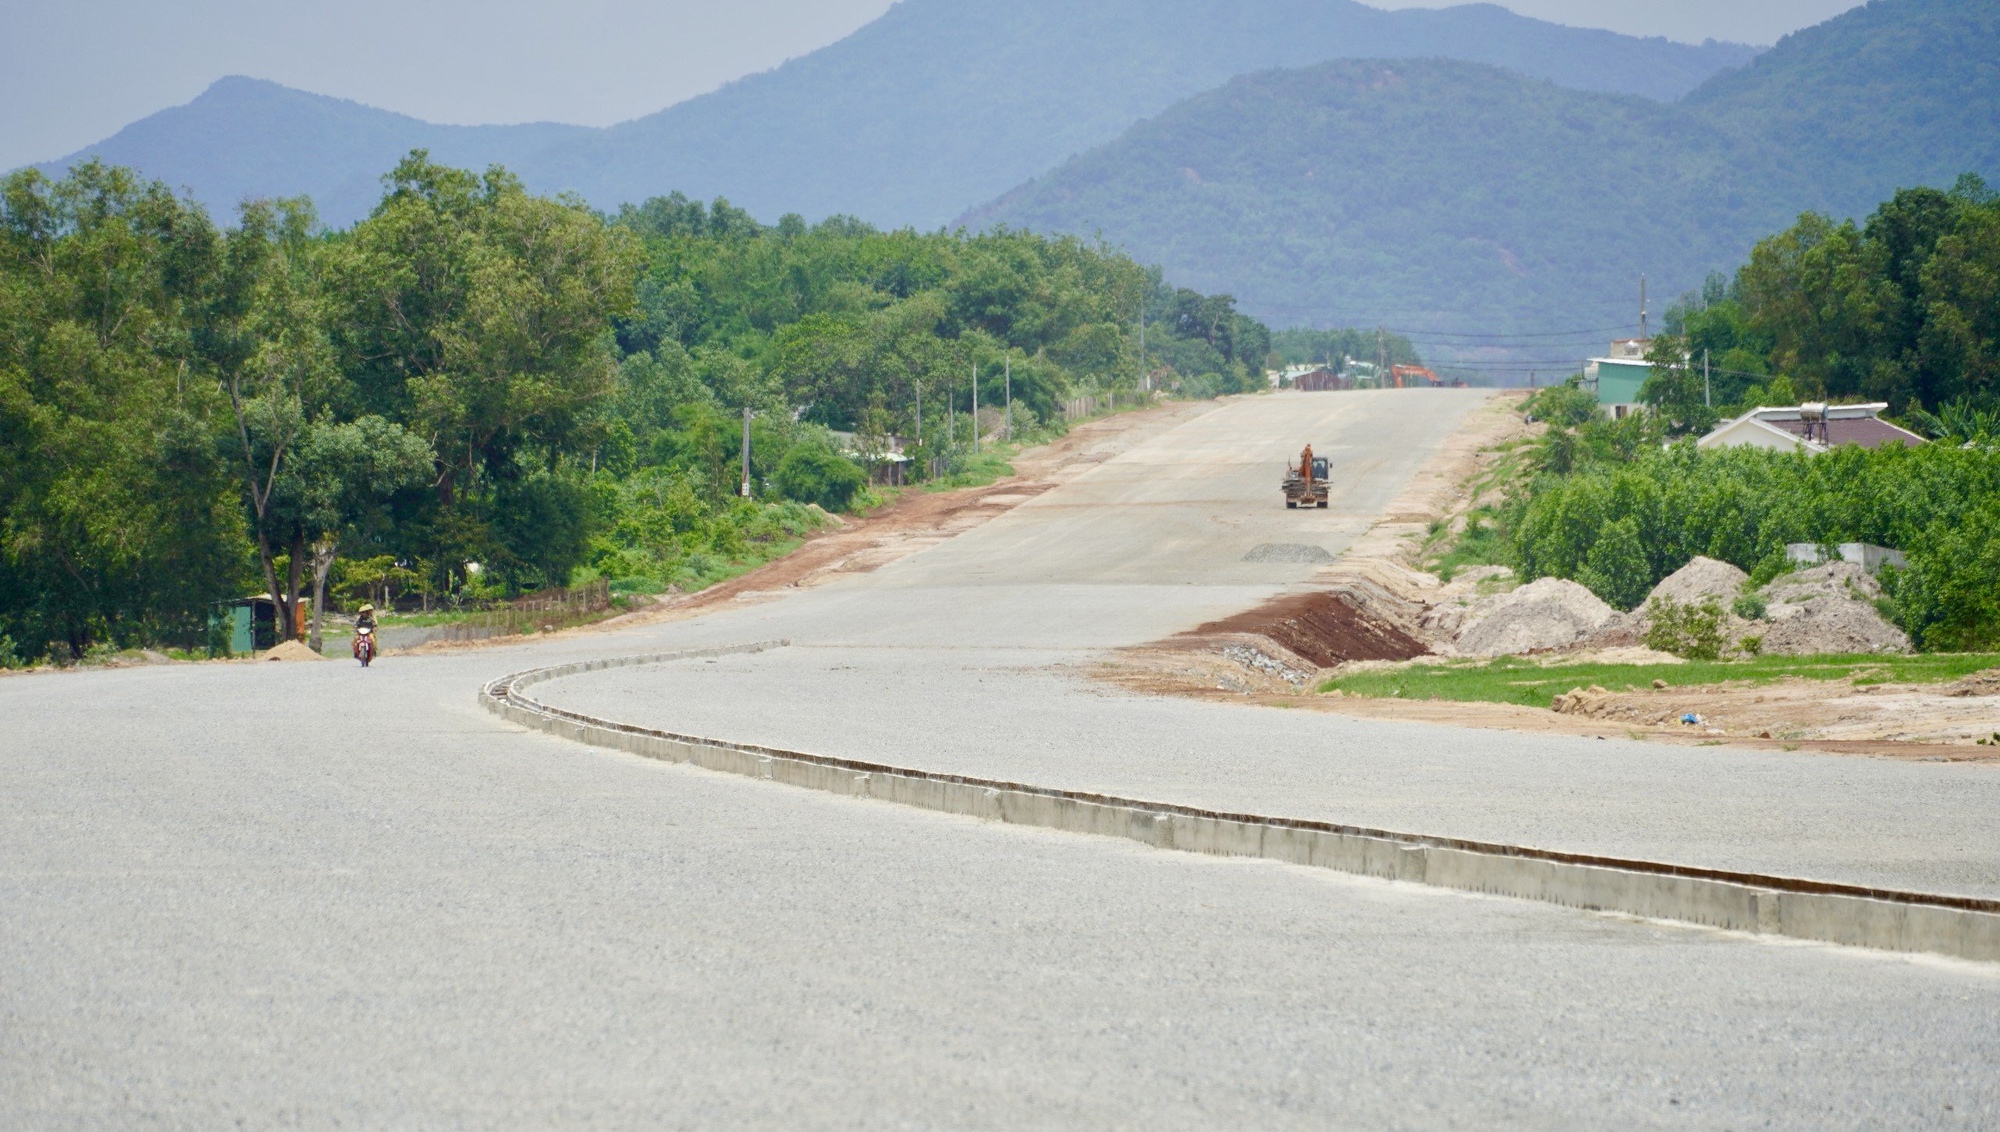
x=1688, y=630
x=1616, y=568
x=1750, y=607
x=811, y=474
x=1563, y=406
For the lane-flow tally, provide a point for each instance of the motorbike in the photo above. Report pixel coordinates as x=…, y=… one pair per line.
x=364, y=644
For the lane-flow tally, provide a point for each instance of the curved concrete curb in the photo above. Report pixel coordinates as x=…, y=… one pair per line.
x=1965, y=927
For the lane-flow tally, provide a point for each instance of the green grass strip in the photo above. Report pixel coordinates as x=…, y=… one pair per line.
x=1513, y=680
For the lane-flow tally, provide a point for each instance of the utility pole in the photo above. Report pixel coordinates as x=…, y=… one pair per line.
x=1707, y=393
x=975, y=407
x=1010, y=398
x=919, y=386
x=746, y=451
x=1142, y=343
x=1642, y=307
x=1381, y=358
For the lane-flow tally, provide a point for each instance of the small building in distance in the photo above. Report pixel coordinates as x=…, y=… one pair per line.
x=1810, y=428
x=1617, y=377
x=1318, y=379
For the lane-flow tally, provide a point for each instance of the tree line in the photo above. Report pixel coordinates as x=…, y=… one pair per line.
x=1903, y=307
x=476, y=391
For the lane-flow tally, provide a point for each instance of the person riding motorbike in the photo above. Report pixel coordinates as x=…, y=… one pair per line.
x=364, y=628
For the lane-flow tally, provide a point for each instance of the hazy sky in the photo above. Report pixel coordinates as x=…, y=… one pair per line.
x=74, y=71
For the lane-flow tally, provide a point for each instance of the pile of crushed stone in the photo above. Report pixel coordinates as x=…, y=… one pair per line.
x=1828, y=609
x=1292, y=552
x=292, y=650
x=1549, y=613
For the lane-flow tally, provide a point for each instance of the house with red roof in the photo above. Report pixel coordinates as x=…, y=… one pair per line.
x=1812, y=427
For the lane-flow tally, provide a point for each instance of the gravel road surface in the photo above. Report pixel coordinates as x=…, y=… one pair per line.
x=308, y=895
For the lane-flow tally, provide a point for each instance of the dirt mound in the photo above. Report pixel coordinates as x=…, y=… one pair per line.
x=1296, y=552
x=1984, y=683
x=1828, y=609
x=1550, y=613
x=292, y=650
x=1839, y=579
x=1323, y=628
x=1833, y=625
x=1700, y=579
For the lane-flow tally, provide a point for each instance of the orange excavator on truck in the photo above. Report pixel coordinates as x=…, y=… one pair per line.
x=1305, y=485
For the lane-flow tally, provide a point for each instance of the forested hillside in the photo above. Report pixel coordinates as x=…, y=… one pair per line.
x=1422, y=194
x=1437, y=195
x=1897, y=93
x=932, y=108
x=476, y=391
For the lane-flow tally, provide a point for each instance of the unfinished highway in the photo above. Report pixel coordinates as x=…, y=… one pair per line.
x=316, y=895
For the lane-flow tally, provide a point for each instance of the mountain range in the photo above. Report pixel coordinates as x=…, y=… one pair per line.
x=1436, y=194
x=935, y=106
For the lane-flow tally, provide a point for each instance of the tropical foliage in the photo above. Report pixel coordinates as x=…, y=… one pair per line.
x=1902, y=308
x=476, y=391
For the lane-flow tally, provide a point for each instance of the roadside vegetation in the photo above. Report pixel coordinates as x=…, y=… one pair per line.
x=476, y=392
x=1902, y=309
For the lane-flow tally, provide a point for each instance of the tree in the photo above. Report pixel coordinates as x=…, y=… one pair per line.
x=262, y=333
x=338, y=483
x=116, y=516
x=476, y=315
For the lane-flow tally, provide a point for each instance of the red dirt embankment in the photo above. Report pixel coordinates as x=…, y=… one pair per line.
x=1323, y=628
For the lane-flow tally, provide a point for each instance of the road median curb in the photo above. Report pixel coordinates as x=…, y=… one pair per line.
x=1888, y=919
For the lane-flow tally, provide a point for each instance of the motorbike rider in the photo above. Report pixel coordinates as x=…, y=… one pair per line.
x=364, y=619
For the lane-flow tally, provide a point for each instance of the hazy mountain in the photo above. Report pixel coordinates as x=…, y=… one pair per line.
x=1437, y=195
x=941, y=103
x=934, y=106
x=1421, y=193
x=1897, y=93
x=245, y=138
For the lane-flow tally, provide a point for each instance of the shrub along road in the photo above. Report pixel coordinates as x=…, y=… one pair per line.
x=317, y=895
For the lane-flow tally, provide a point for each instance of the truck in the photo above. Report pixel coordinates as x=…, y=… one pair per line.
x=1305, y=485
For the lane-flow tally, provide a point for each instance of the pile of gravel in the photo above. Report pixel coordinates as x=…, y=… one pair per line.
x=1550, y=613
x=1828, y=609
x=1292, y=552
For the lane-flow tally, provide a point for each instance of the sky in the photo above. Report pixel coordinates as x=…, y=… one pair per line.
x=74, y=71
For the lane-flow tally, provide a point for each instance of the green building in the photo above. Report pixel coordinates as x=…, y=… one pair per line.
x=1617, y=378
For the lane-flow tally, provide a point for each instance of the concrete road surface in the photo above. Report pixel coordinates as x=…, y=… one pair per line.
x=313, y=896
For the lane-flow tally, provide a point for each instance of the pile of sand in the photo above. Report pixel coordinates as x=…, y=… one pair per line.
x=1550, y=613
x=292, y=650
x=1699, y=580
x=1452, y=605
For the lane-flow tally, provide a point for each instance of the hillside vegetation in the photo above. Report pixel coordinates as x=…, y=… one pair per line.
x=1436, y=194
x=932, y=108
x=477, y=391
